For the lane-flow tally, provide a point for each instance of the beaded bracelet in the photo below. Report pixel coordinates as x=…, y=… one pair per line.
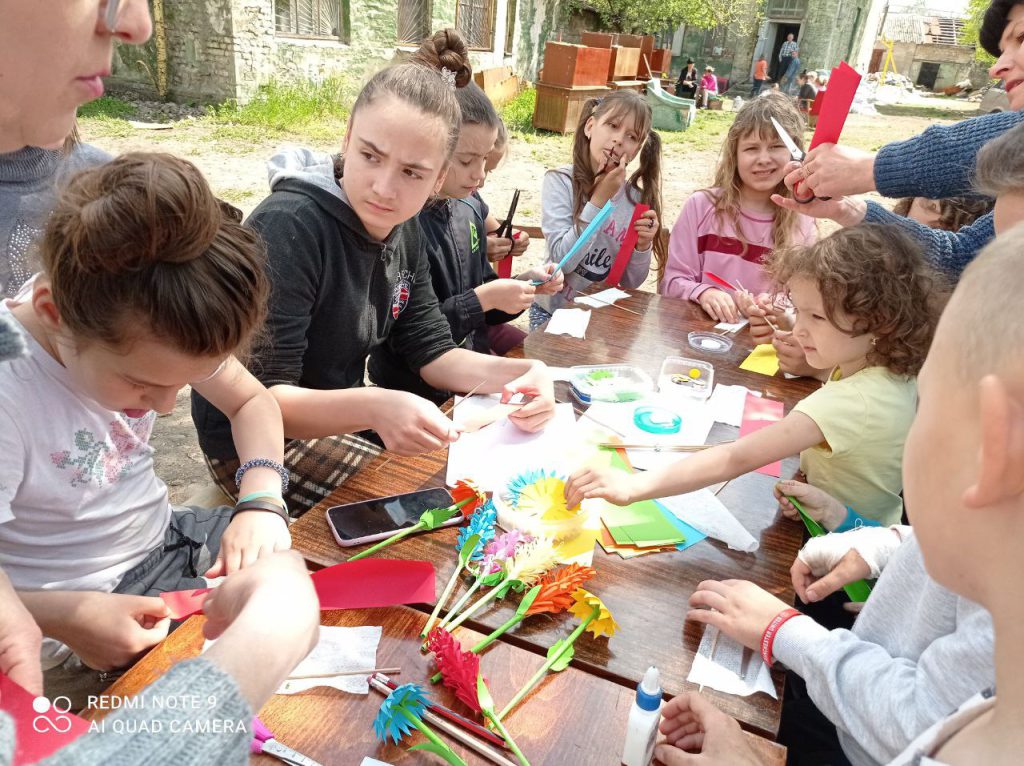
x=262, y=462
x=261, y=505
x=768, y=637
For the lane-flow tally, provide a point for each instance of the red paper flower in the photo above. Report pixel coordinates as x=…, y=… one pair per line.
x=459, y=669
x=557, y=587
x=464, y=490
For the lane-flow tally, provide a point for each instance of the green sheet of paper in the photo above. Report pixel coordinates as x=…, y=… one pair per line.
x=641, y=523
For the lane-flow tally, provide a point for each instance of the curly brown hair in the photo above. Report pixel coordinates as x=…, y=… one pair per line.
x=875, y=276
x=954, y=212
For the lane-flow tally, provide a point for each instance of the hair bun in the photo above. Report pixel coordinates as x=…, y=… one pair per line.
x=137, y=210
x=446, y=49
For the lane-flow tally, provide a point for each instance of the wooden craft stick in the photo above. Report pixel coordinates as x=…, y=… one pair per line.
x=341, y=673
x=435, y=720
x=585, y=414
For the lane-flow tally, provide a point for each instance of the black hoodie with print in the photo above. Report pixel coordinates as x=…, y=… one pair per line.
x=336, y=293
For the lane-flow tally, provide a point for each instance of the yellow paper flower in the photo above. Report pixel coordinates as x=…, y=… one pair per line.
x=531, y=560
x=602, y=625
x=545, y=498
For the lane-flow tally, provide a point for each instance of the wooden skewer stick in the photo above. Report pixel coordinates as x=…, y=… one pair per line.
x=610, y=303
x=662, y=447
x=443, y=412
x=341, y=673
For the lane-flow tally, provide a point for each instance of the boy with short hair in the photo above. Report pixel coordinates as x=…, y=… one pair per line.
x=760, y=75
x=969, y=430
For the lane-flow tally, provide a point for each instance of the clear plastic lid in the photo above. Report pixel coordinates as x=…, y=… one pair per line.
x=609, y=383
x=681, y=376
x=709, y=342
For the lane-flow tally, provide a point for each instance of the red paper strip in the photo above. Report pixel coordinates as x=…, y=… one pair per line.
x=759, y=412
x=720, y=282
x=505, y=267
x=185, y=603
x=370, y=583
x=628, y=246
x=41, y=728
x=835, y=104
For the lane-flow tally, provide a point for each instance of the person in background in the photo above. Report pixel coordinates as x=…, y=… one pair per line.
x=688, y=80
x=708, y=87
x=760, y=75
x=787, y=52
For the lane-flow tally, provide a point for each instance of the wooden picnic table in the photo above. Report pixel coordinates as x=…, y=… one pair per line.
x=336, y=728
x=648, y=595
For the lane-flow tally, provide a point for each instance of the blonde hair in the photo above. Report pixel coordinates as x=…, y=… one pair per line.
x=755, y=117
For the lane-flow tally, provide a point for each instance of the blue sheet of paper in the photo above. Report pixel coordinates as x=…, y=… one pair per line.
x=588, y=232
x=691, y=534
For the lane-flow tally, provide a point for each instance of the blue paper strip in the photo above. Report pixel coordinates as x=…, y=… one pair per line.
x=587, y=234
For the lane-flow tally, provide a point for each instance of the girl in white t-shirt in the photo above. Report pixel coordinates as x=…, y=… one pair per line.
x=147, y=285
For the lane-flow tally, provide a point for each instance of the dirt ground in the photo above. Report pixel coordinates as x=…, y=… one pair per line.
x=236, y=169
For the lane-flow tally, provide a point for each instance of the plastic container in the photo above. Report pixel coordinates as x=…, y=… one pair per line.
x=642, y=726
x=709, y=342
x=690, y=378
x=609, y=383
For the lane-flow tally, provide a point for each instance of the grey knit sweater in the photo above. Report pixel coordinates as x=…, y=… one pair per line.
x=915, y=653
x=29, y=179
x=217, y=730
x=939, y=163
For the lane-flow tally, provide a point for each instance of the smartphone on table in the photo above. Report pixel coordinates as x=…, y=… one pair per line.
x=371, y=520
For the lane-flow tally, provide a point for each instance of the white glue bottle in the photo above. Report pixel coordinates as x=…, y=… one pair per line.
x=644, y=716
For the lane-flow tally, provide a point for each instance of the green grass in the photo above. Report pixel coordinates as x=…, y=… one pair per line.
x=316, y=110
x=930, y=112
x=107, y=108
x=518, y=113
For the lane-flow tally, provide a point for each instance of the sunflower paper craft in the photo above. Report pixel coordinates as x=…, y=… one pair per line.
x=534, y=501
x=594, y=616
x=467, y=498
x=401, y=712
x=461, y=673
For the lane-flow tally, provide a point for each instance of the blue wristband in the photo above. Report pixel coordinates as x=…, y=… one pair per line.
x=262, y=462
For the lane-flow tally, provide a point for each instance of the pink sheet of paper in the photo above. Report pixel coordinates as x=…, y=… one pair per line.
x=369, y=583
x=185, y=603
x=38, y=734
x=759, y=412
x=835, y=105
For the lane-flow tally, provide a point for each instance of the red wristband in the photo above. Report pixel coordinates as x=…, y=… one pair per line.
x=768, y=637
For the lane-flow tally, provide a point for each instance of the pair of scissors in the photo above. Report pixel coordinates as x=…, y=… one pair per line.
x=263, y=742
x=798, y=156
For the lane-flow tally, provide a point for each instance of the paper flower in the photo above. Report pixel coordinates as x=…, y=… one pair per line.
x=504, y=545
x=467, y=496
x=586, y=604
x=401, y=712
x=459, y=669
x=531, y=560
x=392, y=720
x=481, y=523
x=557, y=587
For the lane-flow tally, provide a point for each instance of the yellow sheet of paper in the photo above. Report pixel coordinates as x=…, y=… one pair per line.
x=762, y=360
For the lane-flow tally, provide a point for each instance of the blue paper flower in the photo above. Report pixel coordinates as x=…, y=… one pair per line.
x=526, y=479
x=480, y=523
x=390, y=722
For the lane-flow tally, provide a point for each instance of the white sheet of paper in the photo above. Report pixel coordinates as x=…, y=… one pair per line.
x=727, y=403
x=732, y=326
x=569, y=322
x=703, y=511
x=560, y=373
x=696, y=425
x=723, y=673
x=338, y=649
x=368, y=761
x=492, y=455
x=603, y=298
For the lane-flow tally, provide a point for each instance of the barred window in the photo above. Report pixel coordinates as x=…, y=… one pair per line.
x=787, y=9
x=312, y=18
x=413, y=21
x=475, y=21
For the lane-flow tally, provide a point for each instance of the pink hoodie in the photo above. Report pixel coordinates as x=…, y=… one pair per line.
x=709, y=83
x=701, y=243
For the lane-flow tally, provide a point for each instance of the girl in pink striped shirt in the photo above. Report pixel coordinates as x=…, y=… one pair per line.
x=730, y=228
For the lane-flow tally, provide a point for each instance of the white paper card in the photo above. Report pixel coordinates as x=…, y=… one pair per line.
x=734, y=669
x=569, y=322
x=492, y=455
x=732, y=326
x=337, y=650
x=603, y=298
x=705, y=512
x=727, y=404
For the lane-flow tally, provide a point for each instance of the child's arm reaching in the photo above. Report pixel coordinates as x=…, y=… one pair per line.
x=792, y=434
x=258, y=433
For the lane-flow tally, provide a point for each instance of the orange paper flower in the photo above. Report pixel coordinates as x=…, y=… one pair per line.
x=465, y=490
x=557, y=587
x=601, y=625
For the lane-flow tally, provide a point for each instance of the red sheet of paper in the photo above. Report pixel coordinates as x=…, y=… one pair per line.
x=628, y=246
x=505, y=267
x=759, y=412
x=38, y=734
x=185, y=603
x=835, y=105
x=370, y=583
